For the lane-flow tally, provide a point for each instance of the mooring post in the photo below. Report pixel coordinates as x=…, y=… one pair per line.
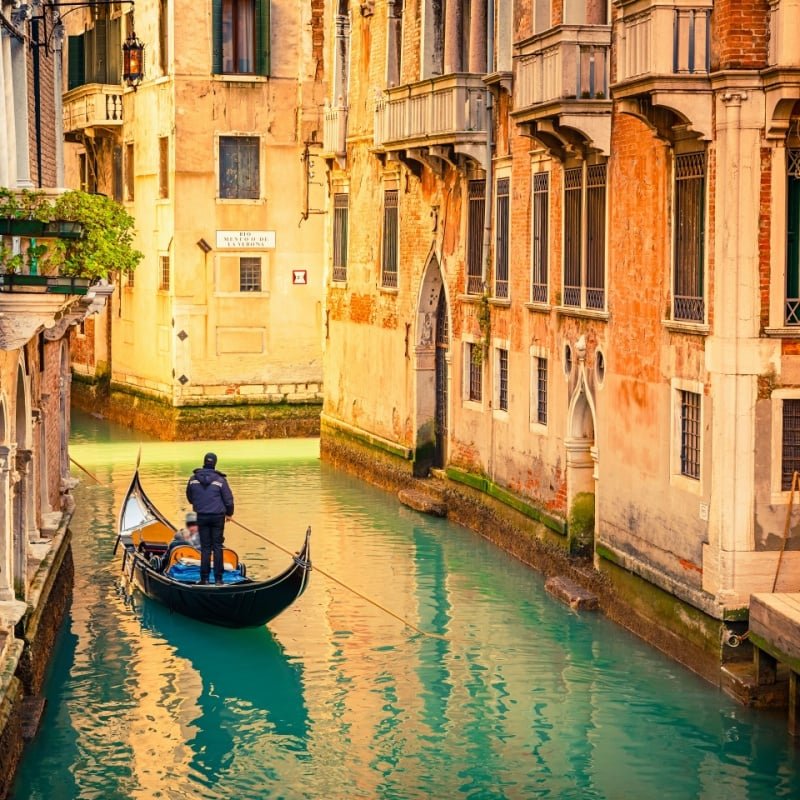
x=794, y=704
x=766, y=667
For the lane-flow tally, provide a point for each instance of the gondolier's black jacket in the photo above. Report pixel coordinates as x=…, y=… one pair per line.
x=209, y=493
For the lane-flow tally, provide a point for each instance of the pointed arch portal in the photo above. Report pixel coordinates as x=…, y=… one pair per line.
x=432, y=357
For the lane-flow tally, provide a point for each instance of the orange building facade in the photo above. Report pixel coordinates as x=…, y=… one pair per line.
x=563, y=257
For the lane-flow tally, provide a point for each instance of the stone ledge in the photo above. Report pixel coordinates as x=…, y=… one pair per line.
x=571, y=593
x=420, y=501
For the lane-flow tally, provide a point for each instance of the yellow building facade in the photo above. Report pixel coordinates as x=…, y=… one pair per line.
x=213, y=155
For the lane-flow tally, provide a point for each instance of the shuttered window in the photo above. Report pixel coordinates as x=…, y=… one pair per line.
x=241, y=37
x=239, y=174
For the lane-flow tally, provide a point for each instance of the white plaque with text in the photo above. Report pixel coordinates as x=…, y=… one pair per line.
x=251, y=240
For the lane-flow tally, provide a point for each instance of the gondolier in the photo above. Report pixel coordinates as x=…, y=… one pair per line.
x=212, y=500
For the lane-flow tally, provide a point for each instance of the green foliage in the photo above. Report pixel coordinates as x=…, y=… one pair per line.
x=106, y=244
x=485, y=325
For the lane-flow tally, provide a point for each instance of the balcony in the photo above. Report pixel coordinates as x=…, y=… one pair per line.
x=29, y=303
x=782, y=76
x=434, y=121
x=94, y=105
x=561, y=88
x=334, y=135
x=663, y=64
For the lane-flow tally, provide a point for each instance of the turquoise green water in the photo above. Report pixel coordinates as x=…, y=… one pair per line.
x=338, y=699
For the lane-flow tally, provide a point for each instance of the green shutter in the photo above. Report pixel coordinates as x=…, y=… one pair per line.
x=216, y=37
x=76, y=74
x=793, y=240
x=100, y=65
x=262, y=37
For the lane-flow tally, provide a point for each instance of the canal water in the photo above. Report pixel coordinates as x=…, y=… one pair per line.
x=522, y=698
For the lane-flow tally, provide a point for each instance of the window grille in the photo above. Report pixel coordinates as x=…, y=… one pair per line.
x=541, y=391
x=502, y=398
x=164, y=264
x=239, y=175
x=163, y=167
x=341, y=211
x=690, y=434
x=790, y=461
x=390, y=231
x=475, y=224
x=474, y=356
x=595, y=236
x=792, y=304
x=573, y=226
x=540, y=230
x=130, y=273
x=689, y=303
x=250, y=274
x=501, y=255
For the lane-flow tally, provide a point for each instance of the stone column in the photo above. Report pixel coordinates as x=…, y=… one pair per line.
x=477, y=37
x=452, y=36
x=8, y=156
x=6, y=538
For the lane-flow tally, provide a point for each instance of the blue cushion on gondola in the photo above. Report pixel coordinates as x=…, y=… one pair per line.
x=190, y=573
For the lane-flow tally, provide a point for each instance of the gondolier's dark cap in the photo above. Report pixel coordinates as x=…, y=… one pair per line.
x=210, y=460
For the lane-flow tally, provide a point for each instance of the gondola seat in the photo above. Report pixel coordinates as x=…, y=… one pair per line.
x=184, y=565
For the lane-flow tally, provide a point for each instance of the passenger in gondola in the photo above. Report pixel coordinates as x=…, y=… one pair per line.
x=212, y=500
x=189, y=534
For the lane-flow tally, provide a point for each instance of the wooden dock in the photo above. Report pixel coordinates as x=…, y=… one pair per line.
x=775, y=636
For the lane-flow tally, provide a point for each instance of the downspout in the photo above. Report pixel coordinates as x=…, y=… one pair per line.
x=487, y=211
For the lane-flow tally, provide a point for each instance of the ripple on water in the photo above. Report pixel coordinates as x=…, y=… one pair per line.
x=336, y=698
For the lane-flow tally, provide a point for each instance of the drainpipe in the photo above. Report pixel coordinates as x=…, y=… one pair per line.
x=487, y=214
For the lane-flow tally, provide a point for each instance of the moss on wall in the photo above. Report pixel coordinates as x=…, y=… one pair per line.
x=581, y=524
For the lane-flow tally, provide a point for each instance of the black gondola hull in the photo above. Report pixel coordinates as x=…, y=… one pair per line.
x=247, y=604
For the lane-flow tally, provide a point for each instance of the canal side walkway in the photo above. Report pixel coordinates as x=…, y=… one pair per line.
x=28, y=630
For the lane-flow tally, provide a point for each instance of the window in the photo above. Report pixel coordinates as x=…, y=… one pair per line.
x=792, y=300
x=130, y=276
x=540, y=231
x=95, y=57
x=390, y=230
x=475, y=223
x=341, y=210
x=116, y=173
x=241, y=37
x=688, y=295
x=163, y=167
x=501, y=253
x=502, y=379
x=585, y=236
x=539, y=393
x=690, y=434
x=790, y=443
x=129, y=173
x=163, y=36
x=250, y=274
x=474, y=353
x=239, y=176
x=164, y=272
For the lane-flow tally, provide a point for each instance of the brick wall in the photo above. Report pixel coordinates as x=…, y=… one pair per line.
x=740, y=33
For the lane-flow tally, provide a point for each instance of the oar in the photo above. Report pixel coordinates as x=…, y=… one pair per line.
x=343, y=585
x=93, y=477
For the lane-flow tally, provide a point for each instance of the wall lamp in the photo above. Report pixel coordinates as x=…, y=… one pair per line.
x=132, y=48
x=204, y=245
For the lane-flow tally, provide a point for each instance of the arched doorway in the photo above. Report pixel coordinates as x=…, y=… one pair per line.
x=431, y=356
x=442, y=339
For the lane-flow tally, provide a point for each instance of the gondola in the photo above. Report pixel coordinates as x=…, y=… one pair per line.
x=170, y=574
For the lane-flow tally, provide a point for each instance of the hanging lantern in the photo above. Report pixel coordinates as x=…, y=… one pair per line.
x=132, y=61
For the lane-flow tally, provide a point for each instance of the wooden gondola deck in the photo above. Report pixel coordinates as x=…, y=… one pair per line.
x=775, y=635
